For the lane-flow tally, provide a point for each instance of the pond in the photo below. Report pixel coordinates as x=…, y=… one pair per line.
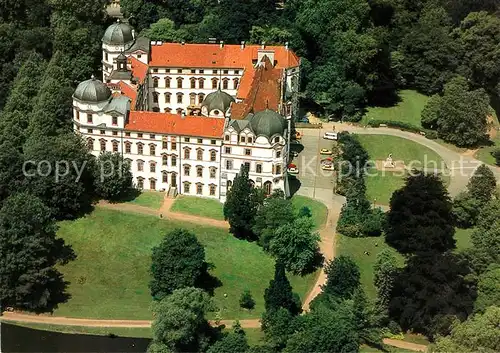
x=21, y=339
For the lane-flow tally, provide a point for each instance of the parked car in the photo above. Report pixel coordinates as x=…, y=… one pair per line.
x=325, y=151
x=330, y=135
x=294, y=154
x=303, y=120
x=292, y=169
x=298, y=135
x=327, y=167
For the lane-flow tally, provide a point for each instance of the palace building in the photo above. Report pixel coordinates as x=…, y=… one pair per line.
x=188, y=116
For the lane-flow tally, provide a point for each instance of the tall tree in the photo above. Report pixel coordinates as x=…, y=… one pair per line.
x=420, y=218
x=482, y=185
x=296, y=246
x=180, y=324
x=279, y=293
x=486, y=238
x=241, y=205
x=178, y=262
x=230, y=343
x=29, y=253
x=343, y=277
x=385, y=270
x=488, y=289
x=112, y=176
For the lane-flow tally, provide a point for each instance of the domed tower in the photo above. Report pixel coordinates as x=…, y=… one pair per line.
x=118, y=38
x=217, y=104
x=90, y=97
x=268, y=123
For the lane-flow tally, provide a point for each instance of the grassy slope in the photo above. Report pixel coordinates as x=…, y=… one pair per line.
x=408, y=110
x=110, y=277
x=151, y=199
x=318, y=209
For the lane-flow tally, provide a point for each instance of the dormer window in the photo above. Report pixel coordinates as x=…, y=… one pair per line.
x=89, y=118
x=167, y=82
x=215, y=83
x=155, y=82
x=225, y=84
x=235, y=83
x=276, y=139
x=179, y=82
x=242, y=139
x=250, y=139
x=114, y=120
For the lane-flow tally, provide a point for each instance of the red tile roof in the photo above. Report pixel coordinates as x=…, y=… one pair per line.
x=166, y=123
x=139, y=69
x=212, y=55
x=129, y=92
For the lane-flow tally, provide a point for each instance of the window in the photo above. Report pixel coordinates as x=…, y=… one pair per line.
x=193, y=82
x=226, y=72
x=199, y=189
x=103, y=132
x=212, y=173
x=201, y=83
x=140, y=183
x=192, y=99
x=174, y=161
x=248, y=152
x=179, y=98
x=187, y=153
x=164, y=160
x=216, y=112
x=155, y=97
x=128, y=148
x=229, y=185
x=278, y=169
x=179, y=111
x=179, y=71
x=103, y=145
x=202, y=71
x=140, y=166
x=152, y=184
x=226, y=138
x=186, y=139
x=155, y=70
x=201, y=97
x=173, y=145
x=276, y=139
x=139, y=134
x=152, y=150
x=186, y=187
x=90, y=144
x=227, y=150
x=167, y=71
x=115, y=133
x=179, y=82
x=225, y=84
x=193, y=71
x=168, y=97
x=152, y=167
x=90, y=131
x=115, y=146
x=139, y=56
x=213, y=142
x=167, y=82
x=89, y=118
x=212, y=189
x=250, y=139
x=278, y=154
x=155, y=82
x=106, y=58
x=215, y=83
x=247, y=166
x=236, y=72
x=199, y=155
x=229, y=164
x=258, y=168
x=242, y=139
x=187, y=169
x=213, y=156
x=214, y=71
x=200, y=140
x=164, y=177
x=164, y=145
x=236, y=81
x=152, y=137
x=77, y=115
x=199, y=172
x=140, y=148
x=127, y=134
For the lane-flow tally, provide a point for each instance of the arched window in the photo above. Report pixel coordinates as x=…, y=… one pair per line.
x=199, y=189
x=115, y=146
x=276, y=139
x=90, y=143
x=192, y=99
x=168, y=97
x=155, y=97
x=225, y=83
x=213, y=156
x=164, y=177
x=201, y=97
x=140, y=166
x=103, y=145
x=179, y=82
x=215, y=83
x=199, y=154
x=186, y=187
x=212, y=189
x=187, y=153
x=199, y=172
x=164, y=160
x=152, y=167
x=236, y=82
x=201, y=83
x=179, y=98
x=187, y=169
x=152, y=184
x=140, y=183
x=140, y=148
x=155, y=82
x=167, y=82
x=213, y=171
x=193, y=82
x=152, y=150
x=267, y=187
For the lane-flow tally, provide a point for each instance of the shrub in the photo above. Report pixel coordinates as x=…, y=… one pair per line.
x=431, y=134
x=246, y=300
x=496, y=155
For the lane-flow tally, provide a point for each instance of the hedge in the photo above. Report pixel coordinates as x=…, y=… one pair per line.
x=430, y=134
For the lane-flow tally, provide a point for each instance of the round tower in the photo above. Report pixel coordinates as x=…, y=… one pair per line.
x=118, y=38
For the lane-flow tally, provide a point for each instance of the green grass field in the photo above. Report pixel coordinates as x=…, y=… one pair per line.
x=379, y=188
x=484, y=153
x=408, y=110
x=198, y=206
x=151, y=199
x=214, y=209
x=110, y=277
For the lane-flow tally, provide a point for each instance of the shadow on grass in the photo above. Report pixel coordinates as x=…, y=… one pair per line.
x=208, y=282
x=294, y=184
x=131, y=195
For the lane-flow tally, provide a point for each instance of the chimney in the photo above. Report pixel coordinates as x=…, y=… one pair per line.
x=286, y=45
x=263, y=45
x=222, y=44
x=242, y=44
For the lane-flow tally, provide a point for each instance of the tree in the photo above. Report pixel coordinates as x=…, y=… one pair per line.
x=364, y=319
x=241, y=205
x=274, y=213
x=462, y=113
x=164, y=30
x=178, y=262
x=279, y=293
x=180, y=324
x=246, y=300
x=112, y=176
x=385, y=270
x=466, y=210
x=431, y=291
x=480, y=333
x=486, y=238
x=278, y=325
x=343, y=277
x=230, y=343
x=496, y=154
x=430, y=114
x=420, y=218
x=482, y=185
x=29, y=252
x=296, y=246
x=488, y=289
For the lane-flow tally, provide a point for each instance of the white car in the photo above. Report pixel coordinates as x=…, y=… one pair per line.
x=330, y=136
x=327, y=167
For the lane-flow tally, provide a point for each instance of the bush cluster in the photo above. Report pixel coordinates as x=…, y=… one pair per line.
x=430, y=134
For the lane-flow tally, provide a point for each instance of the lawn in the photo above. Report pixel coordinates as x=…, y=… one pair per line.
x=379, y=188
x=408, y=110
x=151, y=199
x=484, y=153
x=198, y=206
x=110, y=277
x=213, y=209
x=463, y=238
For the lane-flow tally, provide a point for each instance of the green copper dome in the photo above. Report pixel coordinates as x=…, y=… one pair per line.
x=267, y=123
x=118, y=33
x=92, y=91
x=217, y=100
